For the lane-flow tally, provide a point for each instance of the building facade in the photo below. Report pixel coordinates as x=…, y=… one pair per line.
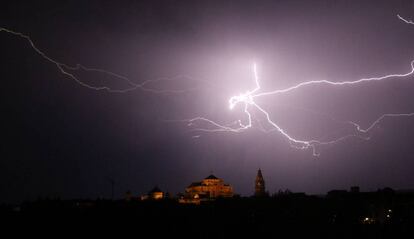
x=209, y=188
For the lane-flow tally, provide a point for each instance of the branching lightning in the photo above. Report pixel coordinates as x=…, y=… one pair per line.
x=66, y=70
x=247, y=100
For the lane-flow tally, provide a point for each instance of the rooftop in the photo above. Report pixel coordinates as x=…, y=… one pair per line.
x=211, y=177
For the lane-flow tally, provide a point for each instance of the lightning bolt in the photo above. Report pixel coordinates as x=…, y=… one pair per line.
x=66, y=70
x=247, y=100
x=405, y=20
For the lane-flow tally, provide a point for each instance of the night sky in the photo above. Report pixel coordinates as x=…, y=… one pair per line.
x=61, y=139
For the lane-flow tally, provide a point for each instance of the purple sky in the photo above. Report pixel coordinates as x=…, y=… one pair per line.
x=62, y=139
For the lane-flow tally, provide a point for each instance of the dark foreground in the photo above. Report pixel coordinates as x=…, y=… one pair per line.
x=384, y=216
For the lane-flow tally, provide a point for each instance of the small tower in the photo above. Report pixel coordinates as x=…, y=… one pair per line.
x=259, y=189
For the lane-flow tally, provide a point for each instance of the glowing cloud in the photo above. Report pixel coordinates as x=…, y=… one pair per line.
x=248, y=101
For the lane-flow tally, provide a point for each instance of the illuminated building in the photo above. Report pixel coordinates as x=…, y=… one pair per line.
x=154, y=194
x=208, y=189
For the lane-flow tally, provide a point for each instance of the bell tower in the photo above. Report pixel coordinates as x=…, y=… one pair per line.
x=259, y=189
